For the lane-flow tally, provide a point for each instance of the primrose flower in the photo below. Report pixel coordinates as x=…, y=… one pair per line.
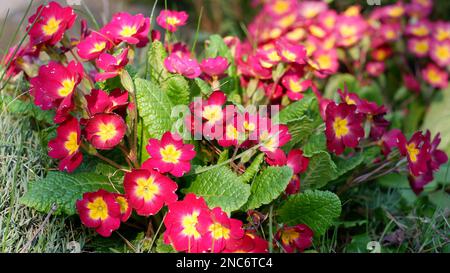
x=289, y=52
x=98, y=101
x=222, y=230
x=250, y=243
x=273, y=137
x=214, y=67
x=171, y=20
x=391, y=32
x=185, y=221
x=183, y=65
x=212, y=114
x=169, y=155
x=125, y=27
x=104, y=131
x=295, y=85
x=294, y=238
x=50, y=26
x=411, y=82
x=391, y=140
x=93, y=46
x=435, y=76
x=279, y=8
x=234, y=130
x=295, y=160
x=326, y=61
x=419, y=29
x=350, y=30
x=381, y=53
x=419, y=47
x=343, y=127
x=148, y=190
x=111, y=65
x=18, y=62
x=441, y=31
x=65, y=146
x=440, y=53
x=99, y=210
x=54, y=87
x=375, y=69
x=417, y=151
x=438, y=157
x=125, y=208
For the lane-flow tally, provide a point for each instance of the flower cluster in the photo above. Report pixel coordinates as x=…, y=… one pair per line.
x=192, y=227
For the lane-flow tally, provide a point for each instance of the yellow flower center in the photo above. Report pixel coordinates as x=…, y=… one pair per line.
x=412, y=152
x=324, y=61
x=106, y=131
x=218, y=231
x=340, y=127
x=98, y=209
x=128, y=31
x=273, y=56
x=295, y=86
x=443, y=52
x=98, y=47
x=122, y=203
x=396, y=11
x=421, y=47
x=287, y=21
x=71, y=144
x=317, y=31
x=146, y=188
x=290, y=56
x=213, y=113
x=281, y=6
x=232, y=132
x=268, y=141
x=51, y=27
x=442, y=35
x=434, y=76
x=347, y=30
x=296, y=34
x=67, y=87
x=170, y=154
x=189, y=223
x=172, y=20
x=420, y=31
x=249, y=126
x=289, y=236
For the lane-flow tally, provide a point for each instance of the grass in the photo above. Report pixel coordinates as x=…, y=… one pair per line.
x=23, y=159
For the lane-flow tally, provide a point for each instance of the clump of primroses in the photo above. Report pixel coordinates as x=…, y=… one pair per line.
x=292, y=46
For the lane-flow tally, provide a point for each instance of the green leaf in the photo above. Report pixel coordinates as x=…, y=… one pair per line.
x=155, y=64
x=221, y=188
x=338, y=81
x=344, y=165
x=63, y=190
x=177, y=89
x=204, y=87
x=268, y=186
x=321, y=170
x=217, y=47
x=296, y=111
x=155, y=109
x=317, y=209
x=161, y=247
x=315, y=144
x=26, y=108
x=436, y=120
x=251, y=171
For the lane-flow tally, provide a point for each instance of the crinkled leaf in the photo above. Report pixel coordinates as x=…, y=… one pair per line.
x=177, y=89
x=317, y=209
x=321, y=170
x=63, y=189
x=253, y=169
x=155, y=108
x=268, y=186
x=26, y=108
x=315, y=144
x=155, y=64
x=220, y=187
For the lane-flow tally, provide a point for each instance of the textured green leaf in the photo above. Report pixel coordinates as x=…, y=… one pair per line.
x=221, y=188
x=253, y=169
x=155, y=64
x=344, y=165
x=338, y=81
x=217, y=47
x=154, y=108
x=317, y=209
x=321, y=170
x=63, y=190
x=177, y=89
x=297, y=110
x=268, y=186
x=204, y=87
x=315, y=144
